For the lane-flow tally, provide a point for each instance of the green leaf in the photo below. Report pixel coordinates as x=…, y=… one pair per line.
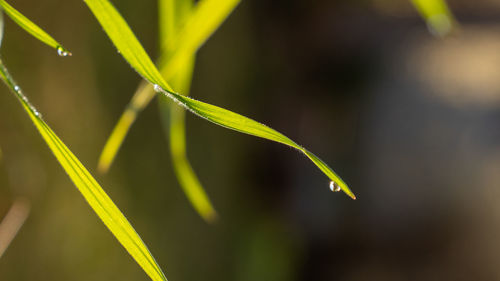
x=33, y=29
x=437, y=15
x=89, y=188
x=206, y=17
x=130, y=48
x=140, y=99
x=240, y=123
x=173, y=117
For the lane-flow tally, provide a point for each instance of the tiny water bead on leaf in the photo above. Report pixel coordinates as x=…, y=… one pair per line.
x=25, y=99
x=124, y=39
x=157, y=88
x=63, y=52
x=93, y=193
x=334, y=186
x=32, y=28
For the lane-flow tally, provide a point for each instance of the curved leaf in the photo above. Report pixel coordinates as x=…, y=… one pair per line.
x=130, y=48
x=206, y=17
x=173, y=117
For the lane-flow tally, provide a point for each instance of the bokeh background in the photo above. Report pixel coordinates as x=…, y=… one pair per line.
x=410, y=121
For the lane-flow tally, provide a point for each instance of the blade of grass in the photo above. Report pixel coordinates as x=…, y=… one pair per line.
x=33, y=29
x=174, y=125
x=206, y=17
x=173, y=117
x=139, y=101
x=125, y=41
x=89, y=188
x=167, y=23
x=242, y=124
x=173, y=120
x=437, y=15
x=12, y=222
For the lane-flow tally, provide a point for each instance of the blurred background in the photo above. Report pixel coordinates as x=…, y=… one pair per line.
x=410, y=121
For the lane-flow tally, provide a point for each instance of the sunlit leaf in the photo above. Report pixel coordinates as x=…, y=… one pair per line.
x=33, y=29
x=206, y=17
x=437, y=15
x=89, y=188
x=130, y=48
x=173, y=117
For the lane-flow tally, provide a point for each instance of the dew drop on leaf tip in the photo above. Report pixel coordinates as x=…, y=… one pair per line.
x=62, y=52
x=334, y=186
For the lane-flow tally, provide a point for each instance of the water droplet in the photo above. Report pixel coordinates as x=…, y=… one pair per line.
x=157, y=88
x=17, y=89
x=62, y=52
x=334, y=186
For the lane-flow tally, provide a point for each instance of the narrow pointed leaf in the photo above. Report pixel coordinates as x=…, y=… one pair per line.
x=173, y=117
x=437, y=15
x=240, y=123
x=89, y=188
x=167, y=19
x=33, y=29
x=130, y=48
x=121, y=129
x=206, y=17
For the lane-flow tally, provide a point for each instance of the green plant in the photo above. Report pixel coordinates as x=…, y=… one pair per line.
x=175, y=68
x=83, y=180
x=123, y=38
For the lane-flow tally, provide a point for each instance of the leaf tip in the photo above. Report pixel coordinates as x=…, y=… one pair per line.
x=350, y=194
x=102, y=167
x=335, y=187
x=211, y=217
x=62, y=52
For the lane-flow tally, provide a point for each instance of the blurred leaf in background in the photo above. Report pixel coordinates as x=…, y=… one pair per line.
x=437, y=15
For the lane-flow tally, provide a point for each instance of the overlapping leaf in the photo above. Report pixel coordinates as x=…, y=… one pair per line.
x=130, y=48
x=206, y=17
x=172, y=14
x=197, y=25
